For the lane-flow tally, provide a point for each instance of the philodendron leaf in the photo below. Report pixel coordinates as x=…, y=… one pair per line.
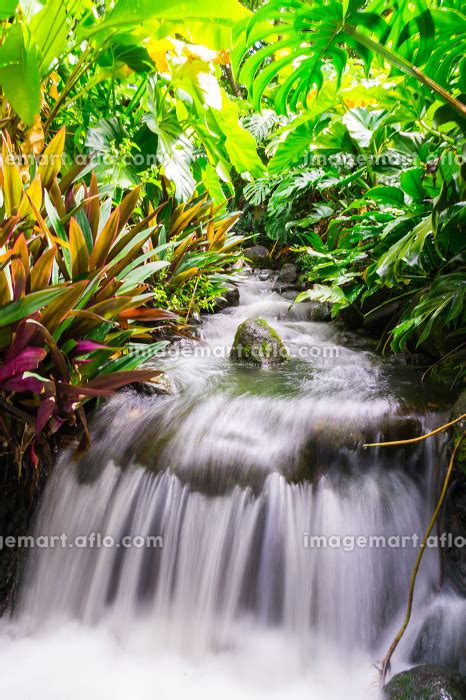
x=19, y=73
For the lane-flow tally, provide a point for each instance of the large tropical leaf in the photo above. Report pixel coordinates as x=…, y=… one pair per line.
x=19, y=72
x=296, y=42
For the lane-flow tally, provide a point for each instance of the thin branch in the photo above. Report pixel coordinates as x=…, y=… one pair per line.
x=385, y=664
x=416, y=439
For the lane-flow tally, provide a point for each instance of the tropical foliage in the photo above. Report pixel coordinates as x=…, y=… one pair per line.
x=133, y=130
x=365, y=173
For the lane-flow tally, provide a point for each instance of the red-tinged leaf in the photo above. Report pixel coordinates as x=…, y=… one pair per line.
x=51, y=159
x=34, y=458
x=18, y=278
x=17, y=310
x=26, y=360
x=127, y=206
x=45, y=229
x=93, y=207
x=22, y=383
x=44, y=412
x=57, y=355
x=5, y=293
x=116, y=380
x=85, y=441
x=103, y=312
x=57, y=310
x=23, y=335
x=8, y=227
x=84, y=347
x=147, y=314
x=42, y=270
x=78, y=248
x=82, y=391
x=56, y=422
x=104, y=241
x=20, y=249
x=12, y=182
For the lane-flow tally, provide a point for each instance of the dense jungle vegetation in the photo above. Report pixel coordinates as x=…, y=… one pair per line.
x=146, y=145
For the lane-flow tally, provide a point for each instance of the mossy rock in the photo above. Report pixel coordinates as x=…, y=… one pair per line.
x=259, y=257
x=427, y=683
x=257, y=343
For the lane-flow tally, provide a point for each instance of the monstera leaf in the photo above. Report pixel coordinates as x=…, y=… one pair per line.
x=297, y=41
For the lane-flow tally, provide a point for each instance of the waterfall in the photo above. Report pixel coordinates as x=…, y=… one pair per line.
x=249, y=490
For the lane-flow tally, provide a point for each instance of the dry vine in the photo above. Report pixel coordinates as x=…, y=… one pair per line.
x=384, y=665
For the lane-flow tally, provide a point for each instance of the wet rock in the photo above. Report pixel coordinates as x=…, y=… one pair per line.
x=459, y=409
x=230, y=297
x=259, y=257
x=377, y=320
x=265, y=275
x=195, y=319
x=441, y=637
x=288, y=274
x=351, y=317
x=450, y=370
x=161, y=385
x=320, y=311
x=290, y=294
x=256, y=342
x=427, y=683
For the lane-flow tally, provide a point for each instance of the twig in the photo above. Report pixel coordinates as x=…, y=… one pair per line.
x=416, y=439
x=385, y=664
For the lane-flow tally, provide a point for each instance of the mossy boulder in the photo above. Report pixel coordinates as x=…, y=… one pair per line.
x=427, y=683
x=259, y=257
x=257, y=343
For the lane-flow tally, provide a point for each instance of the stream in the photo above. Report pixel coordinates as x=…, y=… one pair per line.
x=252, y=486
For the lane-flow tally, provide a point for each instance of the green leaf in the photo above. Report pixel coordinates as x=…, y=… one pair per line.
x=320, y=292
x=16, y=310
x=139, y=275
x=362, y=124
x=19, y=73
x=7, y=8
x=49, y=32
x=411, y=183
x=292, y=148
x=385, y=194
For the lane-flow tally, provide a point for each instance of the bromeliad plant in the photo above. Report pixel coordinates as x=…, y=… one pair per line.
x=75, y=301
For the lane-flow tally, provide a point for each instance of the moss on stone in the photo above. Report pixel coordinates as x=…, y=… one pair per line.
x=256, y=342
x=427, y=683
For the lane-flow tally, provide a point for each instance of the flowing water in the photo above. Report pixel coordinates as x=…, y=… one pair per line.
x=229, y=480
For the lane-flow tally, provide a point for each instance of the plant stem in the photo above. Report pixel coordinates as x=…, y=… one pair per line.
x=416, y=439
x=403, y=65
x=385, y=664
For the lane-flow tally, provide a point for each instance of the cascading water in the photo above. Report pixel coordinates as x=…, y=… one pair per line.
x=230, y=481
